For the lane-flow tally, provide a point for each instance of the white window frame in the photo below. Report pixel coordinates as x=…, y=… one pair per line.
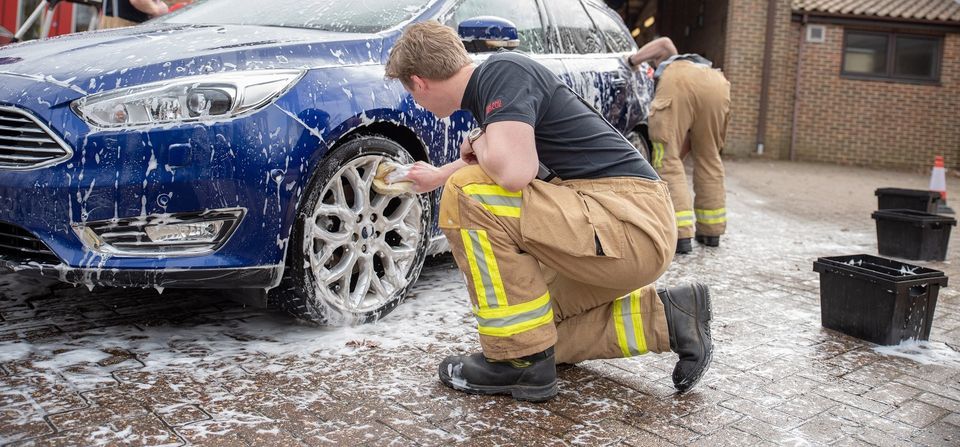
x=810, y=33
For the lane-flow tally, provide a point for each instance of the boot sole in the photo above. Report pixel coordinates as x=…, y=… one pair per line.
x=703, y=317
x=526, y=393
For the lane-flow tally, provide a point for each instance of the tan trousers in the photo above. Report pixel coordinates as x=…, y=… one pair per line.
x=692, y=102
x=535, y=278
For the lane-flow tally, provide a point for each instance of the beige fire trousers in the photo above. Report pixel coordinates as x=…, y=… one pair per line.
x=692, y=101
x=570, y=265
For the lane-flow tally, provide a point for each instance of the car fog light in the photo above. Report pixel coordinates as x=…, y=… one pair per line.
x=185, y=232
x=161, y=235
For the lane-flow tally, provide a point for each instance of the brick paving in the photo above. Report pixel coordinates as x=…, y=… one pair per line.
x=136, y=367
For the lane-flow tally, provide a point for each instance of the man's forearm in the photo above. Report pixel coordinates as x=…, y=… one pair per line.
x=449, y=168
x=655, y=51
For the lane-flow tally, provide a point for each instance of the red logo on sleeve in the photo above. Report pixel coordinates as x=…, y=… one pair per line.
x=494, y=106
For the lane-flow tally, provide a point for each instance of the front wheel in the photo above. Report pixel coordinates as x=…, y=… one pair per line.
x=355, y=252
x=640, y=143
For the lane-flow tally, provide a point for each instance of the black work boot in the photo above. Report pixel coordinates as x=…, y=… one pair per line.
x=684, y=246
x=709, y=241
x=532, y=378
x=688, y=321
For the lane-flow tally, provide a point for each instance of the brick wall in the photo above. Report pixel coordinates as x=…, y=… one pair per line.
x=743, y=67
x=876, y=123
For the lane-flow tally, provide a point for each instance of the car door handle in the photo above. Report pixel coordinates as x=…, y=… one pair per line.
x=618, y=80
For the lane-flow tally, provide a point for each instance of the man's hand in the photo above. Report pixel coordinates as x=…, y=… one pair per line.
x=426, y=177
x=466, y=151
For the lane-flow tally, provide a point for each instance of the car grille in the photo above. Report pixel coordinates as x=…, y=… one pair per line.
x=26, y=143
x=17, y=244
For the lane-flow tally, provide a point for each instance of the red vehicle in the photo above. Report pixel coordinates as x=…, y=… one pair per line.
x=33, y=19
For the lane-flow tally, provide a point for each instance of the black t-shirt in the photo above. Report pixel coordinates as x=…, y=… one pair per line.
x=571, y=138
x=125, y=11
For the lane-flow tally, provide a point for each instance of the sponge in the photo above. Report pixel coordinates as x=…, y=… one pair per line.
x=389, y=179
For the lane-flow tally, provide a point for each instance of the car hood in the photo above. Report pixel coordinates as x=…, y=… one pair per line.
x=104, y=60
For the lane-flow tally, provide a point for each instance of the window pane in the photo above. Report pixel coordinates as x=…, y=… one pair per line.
x=916, y=57
x=82, y=16
x=523, y=13
x=26, y=8
x=865, y=54
x=577, y=33
x=614, y=31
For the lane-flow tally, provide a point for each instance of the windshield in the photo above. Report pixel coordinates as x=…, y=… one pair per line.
x=347, y=16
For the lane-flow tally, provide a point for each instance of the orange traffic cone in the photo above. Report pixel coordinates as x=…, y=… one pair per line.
x=938, y=183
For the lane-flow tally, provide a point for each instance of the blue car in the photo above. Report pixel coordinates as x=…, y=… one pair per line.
x=233, y=144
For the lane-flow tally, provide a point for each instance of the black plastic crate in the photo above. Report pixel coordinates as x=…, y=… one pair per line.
x=913, y=234
x=876, y=299
x=907, y=199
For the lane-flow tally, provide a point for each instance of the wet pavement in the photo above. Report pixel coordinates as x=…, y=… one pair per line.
x=136, y=367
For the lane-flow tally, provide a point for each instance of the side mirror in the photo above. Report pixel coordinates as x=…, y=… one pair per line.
x=488, y=33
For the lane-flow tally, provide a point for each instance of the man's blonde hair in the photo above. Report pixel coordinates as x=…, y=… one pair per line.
x=429, y=50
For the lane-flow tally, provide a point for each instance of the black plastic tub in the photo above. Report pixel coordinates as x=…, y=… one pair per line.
x=907, y=199
x=910, y=234
x=876, y=299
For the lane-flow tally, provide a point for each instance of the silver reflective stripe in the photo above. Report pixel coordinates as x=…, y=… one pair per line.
x=514, y=202
x=628, y=315
x=481, y=260
x=515, y=319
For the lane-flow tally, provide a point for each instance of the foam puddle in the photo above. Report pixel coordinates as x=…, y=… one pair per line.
x=923, y=352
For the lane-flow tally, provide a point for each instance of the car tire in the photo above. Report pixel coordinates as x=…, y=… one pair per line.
x=354, y=253
x=640, y=143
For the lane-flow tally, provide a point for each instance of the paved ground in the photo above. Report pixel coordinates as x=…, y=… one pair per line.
x=132, y=367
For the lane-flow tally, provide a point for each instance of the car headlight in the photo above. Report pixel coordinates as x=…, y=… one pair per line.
x=195, y=98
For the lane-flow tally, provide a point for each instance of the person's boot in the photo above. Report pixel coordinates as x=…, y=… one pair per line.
x=709, y=241
x=532, y=378
x=688, y=321
x=684, y=246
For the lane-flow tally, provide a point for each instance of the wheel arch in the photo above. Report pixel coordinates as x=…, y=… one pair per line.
x=391, y=130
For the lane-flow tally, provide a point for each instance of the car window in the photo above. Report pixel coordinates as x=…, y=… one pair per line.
x=577, y=32
x=614, y=31
x=523, y=13
x=348, y=16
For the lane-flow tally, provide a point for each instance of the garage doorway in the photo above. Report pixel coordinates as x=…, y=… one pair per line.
x=695, y=26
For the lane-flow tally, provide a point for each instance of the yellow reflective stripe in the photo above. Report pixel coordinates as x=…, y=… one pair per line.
x=716, y=212
x=516, y=309
x=621, y=330
x=657, y=155
x=501, y=295
x=481, y=291
x=490, y=190
x=507, y=321
x=509, y=331
x=684, y=218
x=712, y=221
x=495, y=199
x=714, y=216
x=637, y=318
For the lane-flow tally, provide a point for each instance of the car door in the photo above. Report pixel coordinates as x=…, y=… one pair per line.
x=631, y=90
x=525, y=14
x=580, y=55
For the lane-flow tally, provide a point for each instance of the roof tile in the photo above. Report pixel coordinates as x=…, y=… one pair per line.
x=922, y=10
